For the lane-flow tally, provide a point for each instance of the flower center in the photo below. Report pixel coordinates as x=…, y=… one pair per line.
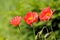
x=30, y=18
x=47, y=14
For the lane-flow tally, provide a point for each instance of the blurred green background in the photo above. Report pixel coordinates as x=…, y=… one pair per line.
x=12, y=8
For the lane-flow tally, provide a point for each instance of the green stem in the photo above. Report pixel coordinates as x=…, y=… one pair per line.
x=19, y=29
x=34, y=32
x=51, y=29
x=53, y=32
x=46, y=29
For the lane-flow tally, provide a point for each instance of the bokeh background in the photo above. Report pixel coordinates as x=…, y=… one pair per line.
x=12, y=8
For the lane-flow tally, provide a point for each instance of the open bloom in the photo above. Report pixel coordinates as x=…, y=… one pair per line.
x=45, y=14
x=31, y=17
x=15, y=21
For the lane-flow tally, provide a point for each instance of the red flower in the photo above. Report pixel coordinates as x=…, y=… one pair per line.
x=31, y=17
x=45, y=14
x=15, y=21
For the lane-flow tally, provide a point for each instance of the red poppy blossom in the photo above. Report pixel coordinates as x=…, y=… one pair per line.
x=15, y=21
x=31, y=17
x=45, y=14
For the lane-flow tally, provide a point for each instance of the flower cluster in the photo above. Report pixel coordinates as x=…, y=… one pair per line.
x=32, y=17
